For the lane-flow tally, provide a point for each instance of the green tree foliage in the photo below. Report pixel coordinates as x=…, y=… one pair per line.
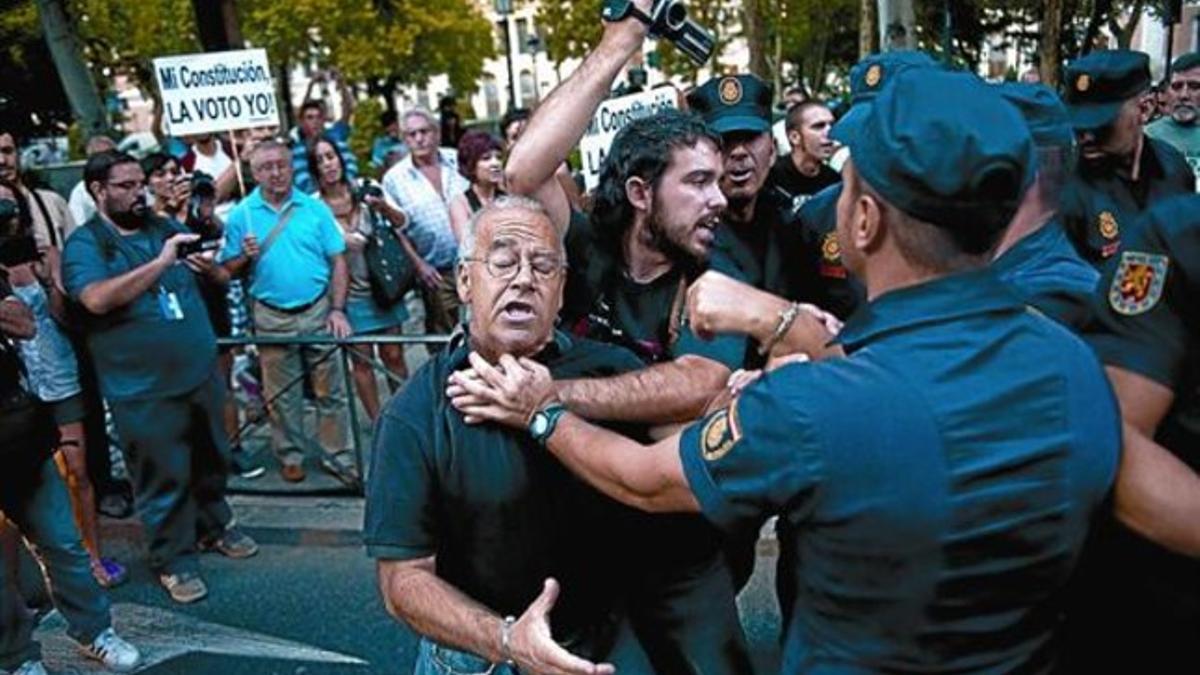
x=571, y=27
x=31, y=96
x=405, y=41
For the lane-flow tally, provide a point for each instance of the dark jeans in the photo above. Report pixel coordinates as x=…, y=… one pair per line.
x=178, y=457
x=35, y=499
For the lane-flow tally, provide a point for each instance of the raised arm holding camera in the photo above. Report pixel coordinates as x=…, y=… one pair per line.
x=155, y=352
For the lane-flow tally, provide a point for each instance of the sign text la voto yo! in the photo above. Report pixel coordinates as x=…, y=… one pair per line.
x=216, y=91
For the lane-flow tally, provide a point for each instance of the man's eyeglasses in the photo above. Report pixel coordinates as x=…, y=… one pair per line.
x=505, y=264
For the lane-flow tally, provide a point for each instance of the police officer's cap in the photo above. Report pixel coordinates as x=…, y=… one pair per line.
x=870, y=75
x=734, y=103
x=1044, y=113
x=1186, y=62
x=944, y=148
x=1097, y=84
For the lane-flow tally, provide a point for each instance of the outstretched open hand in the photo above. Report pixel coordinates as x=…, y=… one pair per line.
x=509, y=392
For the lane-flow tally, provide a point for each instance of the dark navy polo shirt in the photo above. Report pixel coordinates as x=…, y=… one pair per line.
x=937, y=483
x=1100, y=207
x=498, y=511
x=1045, y=271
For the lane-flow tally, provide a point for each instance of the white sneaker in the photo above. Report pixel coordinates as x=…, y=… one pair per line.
x=31, y=668
x=115, y=653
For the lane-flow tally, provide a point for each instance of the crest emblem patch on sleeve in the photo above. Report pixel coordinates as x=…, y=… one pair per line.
x=1138, y=284
x=717, y=436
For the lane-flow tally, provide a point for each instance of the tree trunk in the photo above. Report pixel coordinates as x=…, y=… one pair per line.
x=756, y=38
x=1051, y=47
x=76, y=79
x=1124, y=34
x=217, y=23
x=868, y=29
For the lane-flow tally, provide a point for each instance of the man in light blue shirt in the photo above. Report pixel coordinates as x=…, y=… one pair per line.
x=292, y=248
x=421, y=185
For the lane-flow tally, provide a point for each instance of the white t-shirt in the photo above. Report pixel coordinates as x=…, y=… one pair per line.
x=81, y=204
x=214, y=165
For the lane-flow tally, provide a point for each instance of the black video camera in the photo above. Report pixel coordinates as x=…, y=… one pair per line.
x=667, y=19
x=16, y=247
x=367, y=189
x=204, y=188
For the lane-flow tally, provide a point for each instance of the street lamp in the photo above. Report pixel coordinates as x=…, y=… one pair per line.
x=534, y=43
x=504, y=9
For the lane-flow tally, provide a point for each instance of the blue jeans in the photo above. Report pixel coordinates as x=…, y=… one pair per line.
x=36, y=501
x=435, y=659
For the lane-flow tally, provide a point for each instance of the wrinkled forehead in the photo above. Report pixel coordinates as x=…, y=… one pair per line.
x=518, y=228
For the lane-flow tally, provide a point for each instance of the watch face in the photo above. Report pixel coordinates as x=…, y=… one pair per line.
x=540, y=422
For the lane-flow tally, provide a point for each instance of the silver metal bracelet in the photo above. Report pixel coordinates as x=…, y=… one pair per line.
x=786, y=318
x=506, y=638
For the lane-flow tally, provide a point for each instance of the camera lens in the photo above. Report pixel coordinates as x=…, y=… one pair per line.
x=675, y=16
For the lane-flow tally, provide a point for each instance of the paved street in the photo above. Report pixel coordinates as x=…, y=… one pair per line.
x=306, y=604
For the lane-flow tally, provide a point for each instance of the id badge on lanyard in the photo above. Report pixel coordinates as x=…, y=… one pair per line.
x=168, y=304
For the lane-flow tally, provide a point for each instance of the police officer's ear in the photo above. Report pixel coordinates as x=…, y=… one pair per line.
x=640, y=193
x=1147, y=105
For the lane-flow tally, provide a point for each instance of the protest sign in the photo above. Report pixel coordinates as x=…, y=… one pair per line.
x=611, y=117
x=216, y=91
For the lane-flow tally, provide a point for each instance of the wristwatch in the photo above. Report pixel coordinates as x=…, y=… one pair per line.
x=542, y=424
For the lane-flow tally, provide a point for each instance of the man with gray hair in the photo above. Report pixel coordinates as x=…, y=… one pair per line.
x=473, y=525
x=421, y=185
x=293, y=250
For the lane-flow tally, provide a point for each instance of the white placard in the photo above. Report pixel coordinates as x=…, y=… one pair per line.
x=611, y=117
x=216, y=91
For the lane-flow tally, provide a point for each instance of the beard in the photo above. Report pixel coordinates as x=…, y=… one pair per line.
x=135, y=218
x=677, y=251
x=1184, y=113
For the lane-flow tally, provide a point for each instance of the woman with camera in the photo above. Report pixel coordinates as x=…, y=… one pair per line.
x=359, y=213
x=480, y=162
x=53, y=371
x=190, y=199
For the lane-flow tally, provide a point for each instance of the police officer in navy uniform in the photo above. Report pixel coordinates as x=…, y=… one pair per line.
x=1140, y=594
x=938, y=536
x=823, y=278
x=1035, y=258
x=1121, y=171
x=757, y=229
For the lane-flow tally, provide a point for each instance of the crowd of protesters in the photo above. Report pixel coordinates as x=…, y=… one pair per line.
x=674, y=339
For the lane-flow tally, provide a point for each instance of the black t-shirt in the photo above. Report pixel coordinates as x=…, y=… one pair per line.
x=796, y=186
x=498, y=511
x=603, y=304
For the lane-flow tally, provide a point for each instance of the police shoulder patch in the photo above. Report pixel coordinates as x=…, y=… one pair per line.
x=718, y=436
x=830, y=249
x=730, y=91
x=1138, y=283
x=874, y=75
x=1107, y=222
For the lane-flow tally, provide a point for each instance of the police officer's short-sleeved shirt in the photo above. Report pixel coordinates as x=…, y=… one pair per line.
x=823, y=279
x=141, y=351
x=1100, y=207
x=499, y=512
x=935, y=537
x=1045, y=271
x=1146, y=313
x=603, y=304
